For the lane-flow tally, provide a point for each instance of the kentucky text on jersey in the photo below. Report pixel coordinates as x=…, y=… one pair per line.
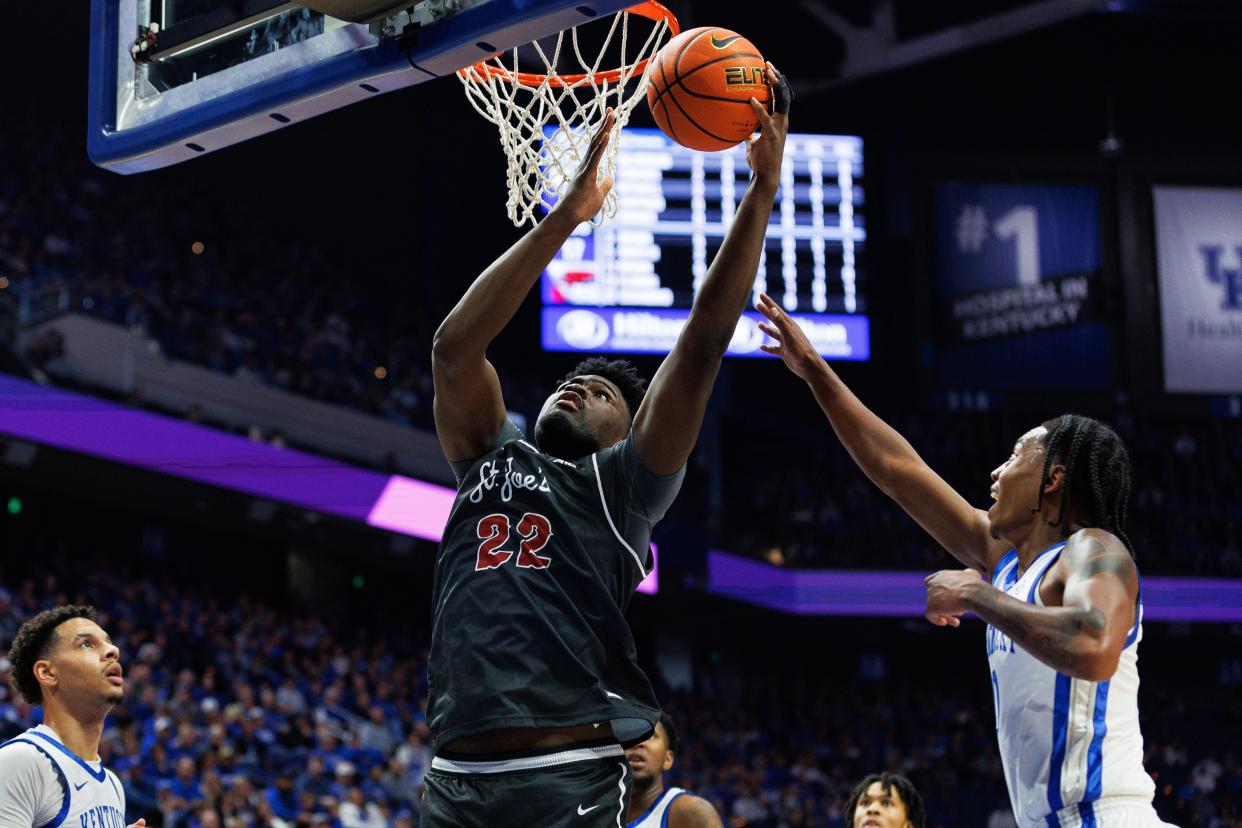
x=43, y=784
x=102, y=816
x=998, y=642
x=1071, y=748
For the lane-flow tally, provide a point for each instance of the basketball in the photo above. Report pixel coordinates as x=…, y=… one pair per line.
x=701, y=85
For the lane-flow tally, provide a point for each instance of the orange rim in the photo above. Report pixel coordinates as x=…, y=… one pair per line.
x=650, y=9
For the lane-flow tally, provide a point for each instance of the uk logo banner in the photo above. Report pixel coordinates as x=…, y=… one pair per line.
x=1199, y=257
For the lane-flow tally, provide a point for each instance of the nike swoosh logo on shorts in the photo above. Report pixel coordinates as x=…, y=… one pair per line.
x=79, y=787
x=721, y=42
x=584, y=811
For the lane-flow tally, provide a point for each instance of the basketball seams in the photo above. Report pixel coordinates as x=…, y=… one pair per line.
x=682, y=53
x=667, y=115
x=677, y=67
x=726, y=141
x=677, y=81
x=659, y=101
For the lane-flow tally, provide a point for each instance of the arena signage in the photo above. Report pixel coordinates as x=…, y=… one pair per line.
x=1199, y=256
x=654, y=330
x=1050, y=303
x=1018, y=281
x=1013, y=259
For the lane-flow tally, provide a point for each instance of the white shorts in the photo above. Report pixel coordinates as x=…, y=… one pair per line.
x=1112, y=812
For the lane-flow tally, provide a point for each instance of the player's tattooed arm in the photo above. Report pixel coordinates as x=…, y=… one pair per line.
x=693, y=812
x=1084, y=636
x=468, y=405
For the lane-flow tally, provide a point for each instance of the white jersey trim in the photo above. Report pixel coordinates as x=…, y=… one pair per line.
x=45, y=805
x=603, y=502
x=621, y=799
x=657, y=815
x=525, y=763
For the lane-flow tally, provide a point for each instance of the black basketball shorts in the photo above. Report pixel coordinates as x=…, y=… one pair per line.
x=578, y=787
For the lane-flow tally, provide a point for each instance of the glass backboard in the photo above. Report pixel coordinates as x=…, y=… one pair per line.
x=212, y=73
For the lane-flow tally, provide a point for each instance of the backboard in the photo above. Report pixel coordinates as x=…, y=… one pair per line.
x=212, y=73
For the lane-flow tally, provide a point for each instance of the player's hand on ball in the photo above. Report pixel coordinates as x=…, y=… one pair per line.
x=792, y=344
x=585, y=196
x=765, y=151
x=946, y=595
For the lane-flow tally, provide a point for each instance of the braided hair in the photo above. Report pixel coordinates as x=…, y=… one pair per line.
x=1097, y=473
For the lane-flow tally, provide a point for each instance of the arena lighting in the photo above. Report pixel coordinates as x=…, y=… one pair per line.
x=415, y=508
x=901, y=594
x=99, y=428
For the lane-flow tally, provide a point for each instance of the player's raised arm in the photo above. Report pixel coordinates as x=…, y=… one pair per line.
x=1083, y=637
x=667, y=424
x=885, y=456
x=469, y=409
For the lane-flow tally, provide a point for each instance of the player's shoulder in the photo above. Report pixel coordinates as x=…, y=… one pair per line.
x=20, y=755
x=690, y=811
x=117, y=785
x=1094, y=543
x=1094, y=551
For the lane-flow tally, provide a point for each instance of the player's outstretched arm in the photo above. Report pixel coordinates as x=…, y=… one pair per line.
x=469, y=409
x=667, y=424
x=885, y=456
x=1083, y=637
x=693, y=812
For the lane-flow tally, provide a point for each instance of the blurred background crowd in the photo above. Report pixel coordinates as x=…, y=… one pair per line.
x=243, y=713
x=72, y=238
x=276, y=657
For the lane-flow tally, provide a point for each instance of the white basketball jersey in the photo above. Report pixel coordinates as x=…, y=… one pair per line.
x=53, y=787
x=1065, y=743
x=657, y=814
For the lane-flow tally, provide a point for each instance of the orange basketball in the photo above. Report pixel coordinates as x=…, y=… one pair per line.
x=701, y=86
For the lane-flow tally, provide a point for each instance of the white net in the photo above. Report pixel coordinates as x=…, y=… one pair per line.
x=546, y=119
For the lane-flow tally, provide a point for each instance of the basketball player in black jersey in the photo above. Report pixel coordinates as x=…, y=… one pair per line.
x=534, y=687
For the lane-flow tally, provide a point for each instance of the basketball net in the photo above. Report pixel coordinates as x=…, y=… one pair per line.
x=565, y=104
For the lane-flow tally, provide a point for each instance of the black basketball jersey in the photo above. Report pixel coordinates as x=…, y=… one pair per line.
x=539, y=559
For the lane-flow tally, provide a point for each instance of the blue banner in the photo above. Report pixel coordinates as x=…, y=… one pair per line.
x=996, y=236
x=654, y=331
x=1017, y=272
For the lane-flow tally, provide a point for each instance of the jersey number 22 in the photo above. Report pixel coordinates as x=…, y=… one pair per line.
x=534, y=530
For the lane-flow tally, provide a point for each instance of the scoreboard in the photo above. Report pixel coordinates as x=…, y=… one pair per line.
x=627, y=286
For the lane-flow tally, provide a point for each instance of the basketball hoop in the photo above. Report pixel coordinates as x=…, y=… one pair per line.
x=545, y=119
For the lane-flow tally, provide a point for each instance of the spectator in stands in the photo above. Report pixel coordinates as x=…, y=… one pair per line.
x=357, y=812
x=282, y=797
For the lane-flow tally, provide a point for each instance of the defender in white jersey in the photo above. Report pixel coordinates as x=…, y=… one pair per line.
x=1063, y=608
x=51, y=775
x=654, y=806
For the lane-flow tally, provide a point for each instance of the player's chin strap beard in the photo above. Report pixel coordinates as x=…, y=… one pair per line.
x=557, y=436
